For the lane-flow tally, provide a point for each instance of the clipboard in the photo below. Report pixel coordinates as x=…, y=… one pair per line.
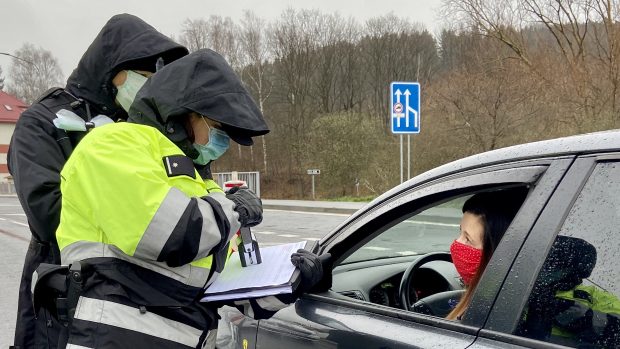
x=275, y=275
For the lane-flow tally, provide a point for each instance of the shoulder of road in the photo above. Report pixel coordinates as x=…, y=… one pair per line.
x=313, y=206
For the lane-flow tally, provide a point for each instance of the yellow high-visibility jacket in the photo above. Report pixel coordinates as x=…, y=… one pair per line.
x=129, y=193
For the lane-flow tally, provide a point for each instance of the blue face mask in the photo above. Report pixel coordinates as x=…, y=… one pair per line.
x=129, y=89
x=217, y=145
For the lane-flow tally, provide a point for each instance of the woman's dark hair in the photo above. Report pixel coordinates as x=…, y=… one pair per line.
x=496, y=210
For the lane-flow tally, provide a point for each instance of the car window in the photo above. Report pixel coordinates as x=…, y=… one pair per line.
x=431, y=230
x=576, y=297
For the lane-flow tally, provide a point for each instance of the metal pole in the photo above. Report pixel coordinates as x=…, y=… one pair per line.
x=408, y=156
x=312, y=187
x=21, y=59
x=401, y=158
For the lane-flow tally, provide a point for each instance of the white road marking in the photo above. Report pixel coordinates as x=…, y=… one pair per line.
x=314, y=213
x=376, y=248
x=13, y=214
x=18, y=223
x=288, y=235
x=264, y=232
x=2, y=219
x=406, y=253
x=435, y=223
x=313, y=239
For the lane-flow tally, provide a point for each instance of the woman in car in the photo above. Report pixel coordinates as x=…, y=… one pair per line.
x=486, y=216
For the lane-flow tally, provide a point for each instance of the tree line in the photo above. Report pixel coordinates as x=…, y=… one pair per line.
x=502, y=72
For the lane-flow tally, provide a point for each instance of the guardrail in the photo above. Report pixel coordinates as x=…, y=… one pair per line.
x=251, y=178
x=7, y=188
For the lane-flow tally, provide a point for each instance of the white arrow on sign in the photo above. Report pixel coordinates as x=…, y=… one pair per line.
x=409, y=109
x=407, y=94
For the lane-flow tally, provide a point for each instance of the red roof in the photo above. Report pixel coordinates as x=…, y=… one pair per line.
x=10, y=108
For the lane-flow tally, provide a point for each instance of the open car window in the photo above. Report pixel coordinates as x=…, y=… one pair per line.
x=431, y=230
x=378, y=270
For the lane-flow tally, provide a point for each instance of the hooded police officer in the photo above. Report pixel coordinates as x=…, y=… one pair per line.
x=144, y=219
x=38, y=150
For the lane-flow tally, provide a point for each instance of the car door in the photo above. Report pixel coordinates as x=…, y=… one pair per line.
x=585, y=211
x=329, y=320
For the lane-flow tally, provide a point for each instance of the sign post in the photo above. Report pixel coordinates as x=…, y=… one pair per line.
x=313, y=172
x=405, y=115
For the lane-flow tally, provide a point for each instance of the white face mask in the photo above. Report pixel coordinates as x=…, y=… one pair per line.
x=128, y=90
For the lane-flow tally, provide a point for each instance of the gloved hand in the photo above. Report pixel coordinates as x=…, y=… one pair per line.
x=311, y=268
x=247, y=204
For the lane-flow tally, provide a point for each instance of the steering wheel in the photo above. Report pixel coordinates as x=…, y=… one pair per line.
x=405, y=283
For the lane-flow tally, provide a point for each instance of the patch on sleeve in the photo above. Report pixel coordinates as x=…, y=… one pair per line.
x=179, y=165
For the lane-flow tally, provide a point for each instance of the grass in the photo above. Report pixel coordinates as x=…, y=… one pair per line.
x=367, y=198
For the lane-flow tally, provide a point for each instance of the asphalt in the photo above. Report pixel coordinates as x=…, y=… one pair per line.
x=436, y=214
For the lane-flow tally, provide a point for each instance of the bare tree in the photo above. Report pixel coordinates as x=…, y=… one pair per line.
x=393, y=49
x=510, y=71
x=334, y=34
x=293, y=42
x=487, y=99
x=254, y=56
x=33, y=73
x=350, y=70
x=216, y=33
x=578, y=38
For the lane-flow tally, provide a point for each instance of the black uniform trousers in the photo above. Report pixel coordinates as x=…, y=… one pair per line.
x=42, y=332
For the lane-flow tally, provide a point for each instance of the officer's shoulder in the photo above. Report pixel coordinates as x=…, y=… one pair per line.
x=45, y=107
x=57, y=98
x=124, y=131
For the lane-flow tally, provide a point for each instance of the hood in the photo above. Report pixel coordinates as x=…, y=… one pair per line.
x=124, y=42
x=202, y=82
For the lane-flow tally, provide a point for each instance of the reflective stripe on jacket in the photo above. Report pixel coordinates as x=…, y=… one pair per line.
x=119, y=201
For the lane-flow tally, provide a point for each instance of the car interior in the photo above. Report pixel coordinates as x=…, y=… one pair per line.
x=406, y=263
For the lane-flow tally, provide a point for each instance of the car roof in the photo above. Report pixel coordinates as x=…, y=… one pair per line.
x=598, y=142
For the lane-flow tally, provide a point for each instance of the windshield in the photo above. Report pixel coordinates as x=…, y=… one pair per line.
x=431, y=230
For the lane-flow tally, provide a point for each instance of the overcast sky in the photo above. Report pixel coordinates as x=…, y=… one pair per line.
x=67, y=27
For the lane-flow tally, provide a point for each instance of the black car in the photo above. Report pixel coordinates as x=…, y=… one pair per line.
x=392, y=282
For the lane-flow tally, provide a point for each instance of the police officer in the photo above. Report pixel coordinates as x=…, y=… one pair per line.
x=147, y=223
x=38, y=150
x=565, y=310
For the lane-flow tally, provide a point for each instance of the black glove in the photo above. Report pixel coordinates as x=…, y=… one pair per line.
x=311, y=268
x=247, y=204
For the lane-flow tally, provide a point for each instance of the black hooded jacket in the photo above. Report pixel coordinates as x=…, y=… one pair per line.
x=35, y=157
x=201, y=82
x=38, y=150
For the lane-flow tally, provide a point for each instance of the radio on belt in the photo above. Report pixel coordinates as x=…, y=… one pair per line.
x=249, y=252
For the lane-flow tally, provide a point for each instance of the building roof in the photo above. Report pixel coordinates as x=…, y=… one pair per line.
x=10, y=108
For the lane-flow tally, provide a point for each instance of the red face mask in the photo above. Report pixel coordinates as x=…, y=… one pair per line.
x=466, y=259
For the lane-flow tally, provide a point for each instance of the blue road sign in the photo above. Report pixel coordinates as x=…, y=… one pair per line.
x=405, y=107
